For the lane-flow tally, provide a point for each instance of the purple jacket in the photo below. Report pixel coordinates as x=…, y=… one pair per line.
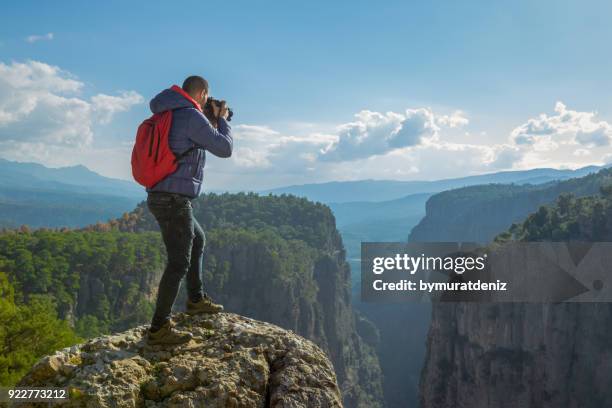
x=190, y=128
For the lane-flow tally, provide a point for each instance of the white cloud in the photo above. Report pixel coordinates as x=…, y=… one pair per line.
x=600, y=136
x=412, y=147
x=34, y=38
x=413, y=144
x=45, y=118
x=263, y=147
x=582, y=152
x=567, y=138
x=374, y=133
x=254, y=146
x=546, y=133
x=455, y=120
x=295, y=163
x=504, y=157
x=105, y=106
x=40, y=103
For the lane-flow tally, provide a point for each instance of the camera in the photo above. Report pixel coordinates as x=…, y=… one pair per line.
x=209, y=111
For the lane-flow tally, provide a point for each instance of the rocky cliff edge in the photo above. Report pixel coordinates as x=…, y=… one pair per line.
x=232, y=361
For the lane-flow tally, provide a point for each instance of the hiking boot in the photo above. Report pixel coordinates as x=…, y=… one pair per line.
x=168, y=335
x=204, y=305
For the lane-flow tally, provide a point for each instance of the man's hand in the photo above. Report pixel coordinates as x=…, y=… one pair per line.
x=220, y=111
x=224, y=110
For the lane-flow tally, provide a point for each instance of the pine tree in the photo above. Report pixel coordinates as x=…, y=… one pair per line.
x=28, y=332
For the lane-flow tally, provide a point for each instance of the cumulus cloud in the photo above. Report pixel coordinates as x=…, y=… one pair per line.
x=263, y=147
x=256, y=144
x=546, y=132
x=412, y=144
x=44, y=118
x=374, y=133
x=294, y=163
x=504, y=157
x=34, y=38
x=375, y=145
x=41, y=103
x=599, y=136
x=455, y=120
x=105, y=106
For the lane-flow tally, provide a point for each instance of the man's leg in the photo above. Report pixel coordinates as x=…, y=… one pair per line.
x=198, y=301
x=194, y=276
x=174, y=216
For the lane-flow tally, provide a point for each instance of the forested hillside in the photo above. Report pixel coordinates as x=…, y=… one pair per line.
x=100, y=282
x=56, y=209
x=570, y=219
x=479, y=213
x=28, y=331
x=277, y=259
x=288, y=216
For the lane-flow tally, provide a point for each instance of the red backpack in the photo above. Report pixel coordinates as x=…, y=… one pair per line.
x=152, y=159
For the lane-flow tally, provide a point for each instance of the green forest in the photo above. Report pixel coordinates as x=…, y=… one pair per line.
x=64, y=285
x=29, y=331
x=61, y=286
x=288, y=216
x=570, y=218
x=42, y=274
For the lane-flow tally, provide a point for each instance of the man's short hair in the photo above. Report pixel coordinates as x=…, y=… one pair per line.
x=195, y=84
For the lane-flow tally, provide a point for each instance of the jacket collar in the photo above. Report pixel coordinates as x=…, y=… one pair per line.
x=180, y=90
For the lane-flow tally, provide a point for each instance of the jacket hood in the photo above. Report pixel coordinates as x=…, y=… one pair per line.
x=168, y=100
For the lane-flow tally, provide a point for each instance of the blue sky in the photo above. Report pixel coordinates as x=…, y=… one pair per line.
x=322, y=90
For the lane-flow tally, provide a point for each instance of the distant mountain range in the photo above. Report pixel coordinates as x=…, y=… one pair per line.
x=75, y=196
x=383, y=190
x=38, y=196
x=30, y=176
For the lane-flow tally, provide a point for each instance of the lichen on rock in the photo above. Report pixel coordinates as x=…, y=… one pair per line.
x=232, y=361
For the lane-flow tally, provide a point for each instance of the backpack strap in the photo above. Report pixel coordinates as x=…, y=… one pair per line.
x=185, y=153
x=192, y=148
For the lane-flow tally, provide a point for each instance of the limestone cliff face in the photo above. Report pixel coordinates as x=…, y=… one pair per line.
x=314, y=302
x=91, y=285
x=232, y=361
x=527, y=355
x=355, y=362
x=282, y=260
x=518, y=355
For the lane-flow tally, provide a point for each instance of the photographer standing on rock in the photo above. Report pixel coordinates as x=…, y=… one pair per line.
x=191, y=134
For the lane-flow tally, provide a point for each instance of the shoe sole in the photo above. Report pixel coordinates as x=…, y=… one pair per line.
x=197, y=312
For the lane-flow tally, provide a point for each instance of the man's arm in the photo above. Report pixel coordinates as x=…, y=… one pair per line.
x=217, y=141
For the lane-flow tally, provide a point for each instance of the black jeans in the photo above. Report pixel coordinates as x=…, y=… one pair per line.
x=184, y=240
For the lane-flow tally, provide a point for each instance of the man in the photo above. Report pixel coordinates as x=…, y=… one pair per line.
x=170, y=202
